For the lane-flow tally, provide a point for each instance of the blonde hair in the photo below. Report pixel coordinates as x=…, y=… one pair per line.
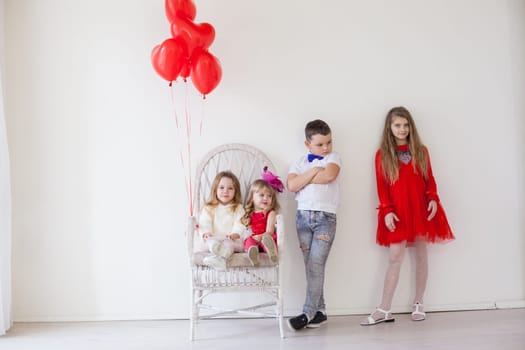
x=389, y=158
x=249, y=208
x=213, y=200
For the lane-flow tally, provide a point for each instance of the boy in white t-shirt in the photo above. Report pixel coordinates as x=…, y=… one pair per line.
x=314, y=180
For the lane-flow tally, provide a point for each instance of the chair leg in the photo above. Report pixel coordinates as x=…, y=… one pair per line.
x=280, y=313
x=194, y=316
x=192, y=330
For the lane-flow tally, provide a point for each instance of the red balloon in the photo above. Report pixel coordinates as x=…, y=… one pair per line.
x=186, y=7
x=195, y=35
x=169, y=57
x=206, y=71
x=186, y=69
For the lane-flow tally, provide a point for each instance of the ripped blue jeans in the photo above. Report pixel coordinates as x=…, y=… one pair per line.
x=316, y=233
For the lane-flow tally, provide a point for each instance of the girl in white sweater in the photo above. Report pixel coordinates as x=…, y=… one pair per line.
x=220, y=220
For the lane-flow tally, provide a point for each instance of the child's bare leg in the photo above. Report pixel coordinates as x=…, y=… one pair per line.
x=396, y=254
x=418, y=313
x=421, y=269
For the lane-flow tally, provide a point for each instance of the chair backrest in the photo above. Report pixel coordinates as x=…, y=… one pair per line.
x=245, y=161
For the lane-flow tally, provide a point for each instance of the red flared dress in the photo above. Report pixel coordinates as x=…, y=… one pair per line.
x=258, y=223
x=408, y=198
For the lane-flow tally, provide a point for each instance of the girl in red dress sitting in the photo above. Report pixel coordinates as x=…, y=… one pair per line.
x=260, y=216
x=410, y=213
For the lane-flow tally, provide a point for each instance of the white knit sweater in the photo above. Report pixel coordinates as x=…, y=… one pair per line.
x=221, y=221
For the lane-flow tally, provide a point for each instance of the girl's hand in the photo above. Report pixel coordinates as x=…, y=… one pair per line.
x=206, y=235
x=390, y=220
x=432, y=208
x=258, y=238
x=234, y=236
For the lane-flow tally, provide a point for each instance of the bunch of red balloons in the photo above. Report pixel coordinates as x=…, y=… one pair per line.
x=186, y=52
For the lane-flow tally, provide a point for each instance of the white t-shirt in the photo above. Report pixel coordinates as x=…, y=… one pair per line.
x=321, y=197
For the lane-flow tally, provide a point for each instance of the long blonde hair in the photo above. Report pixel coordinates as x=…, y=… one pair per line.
x=389, y=158
x=249, y=208
x=213, y=200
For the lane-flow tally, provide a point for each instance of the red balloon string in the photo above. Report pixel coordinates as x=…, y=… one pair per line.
x=172, y=98
x=188, y=142
x=184, y=148
x=190, y=196
x=185, y=177
x=188, y=118
x=201, y=117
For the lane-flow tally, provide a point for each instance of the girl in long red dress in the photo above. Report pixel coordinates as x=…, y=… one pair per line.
x=410, y=213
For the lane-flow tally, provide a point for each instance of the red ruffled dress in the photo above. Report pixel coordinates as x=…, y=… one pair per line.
x=408, y=198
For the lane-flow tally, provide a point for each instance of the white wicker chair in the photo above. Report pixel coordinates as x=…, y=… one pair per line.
x=247, y=163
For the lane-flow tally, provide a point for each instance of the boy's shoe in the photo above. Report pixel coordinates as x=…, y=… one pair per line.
x=253, y=255
x=318, y=320
x=271, y=248
x=217, y=262
x=298, y=322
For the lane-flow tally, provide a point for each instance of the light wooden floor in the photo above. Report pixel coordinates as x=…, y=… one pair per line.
x=479, y=330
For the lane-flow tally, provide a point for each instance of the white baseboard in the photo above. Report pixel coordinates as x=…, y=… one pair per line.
x=489, y=305
x=510, y=304
x=501, y=304
x=97, y=318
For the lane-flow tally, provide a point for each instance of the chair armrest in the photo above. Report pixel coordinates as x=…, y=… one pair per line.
x=280, y=232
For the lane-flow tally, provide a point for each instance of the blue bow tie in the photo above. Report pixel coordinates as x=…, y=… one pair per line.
x=311, y=157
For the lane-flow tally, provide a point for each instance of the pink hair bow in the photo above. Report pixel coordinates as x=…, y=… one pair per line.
x=273, y=180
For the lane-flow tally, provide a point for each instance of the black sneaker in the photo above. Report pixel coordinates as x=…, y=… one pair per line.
x=298, y=322
x=318, y=320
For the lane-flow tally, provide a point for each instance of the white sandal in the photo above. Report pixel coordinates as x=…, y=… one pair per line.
x=418, y=312
x=387, y=317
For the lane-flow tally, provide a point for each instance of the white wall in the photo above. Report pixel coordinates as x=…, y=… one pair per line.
x=98, y=189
